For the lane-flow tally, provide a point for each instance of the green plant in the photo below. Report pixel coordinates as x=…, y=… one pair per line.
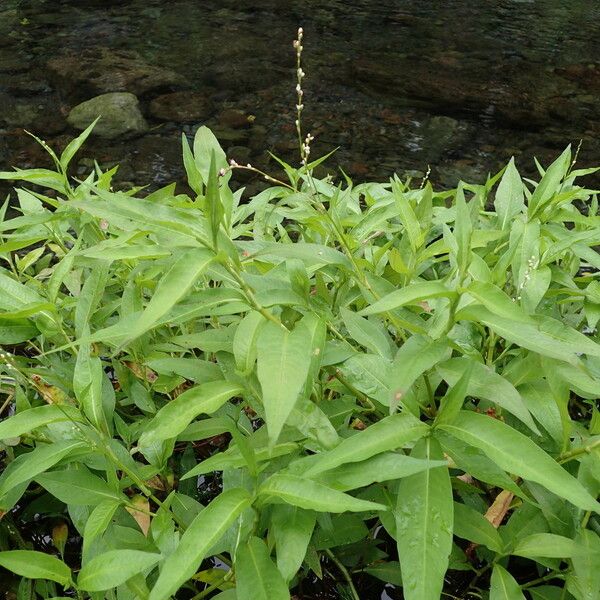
x=362, y=363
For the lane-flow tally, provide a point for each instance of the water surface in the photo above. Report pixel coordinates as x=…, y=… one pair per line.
x=397, y=85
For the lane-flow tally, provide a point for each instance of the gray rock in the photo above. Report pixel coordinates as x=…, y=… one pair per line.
x=120, y=115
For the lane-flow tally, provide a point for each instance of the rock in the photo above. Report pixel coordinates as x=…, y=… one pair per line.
x=232, y=118
x=241, y=154
x=15, y=113
x=120, y=115
x=180, y=107
x=13, y=63
x=103, y=70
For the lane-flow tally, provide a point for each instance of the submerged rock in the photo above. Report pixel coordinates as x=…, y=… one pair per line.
x=180, y=107
x=120, y=115
x=103, y=70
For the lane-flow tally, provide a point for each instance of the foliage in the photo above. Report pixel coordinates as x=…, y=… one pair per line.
x=399, y=381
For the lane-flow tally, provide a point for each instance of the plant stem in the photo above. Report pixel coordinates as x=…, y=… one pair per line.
x=213, y=586
x=362, y=398
x=548, y=577
x=342, y=569
x=571, y=454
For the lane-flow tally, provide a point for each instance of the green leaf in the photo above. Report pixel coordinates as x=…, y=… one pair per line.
x=244, y=341
x=113, y=568
x=416, y=356
x=17, y=331
x=284, y=359
x=14, y=295
x=585, y=583
x=90, y=296
x=545, y=335
x=256, y=576
x=509, y=200
x=78, y=486
x=485, y=383
x=499, y=441
x=74, y=145
x=36, y=565
x=292, y=529
x=193, y=175
x=453, y=401
x=205, y=145
x=311, y=495
x=213, y=204
x=463, y=229
x=386, y=466
x=424, y=517
x=234, y=459
x=173, y=286
x=29, y=465
x=205, y=530
x=411, y=294
x=98, y=522
x=496, y=301
x=474, y=462
x=87, y=385
x=388, y=434
x=367, y=333
x=175, y=416
x=546, y=545
x=549, y=184
x=31, y=419
x=473, y=526
x=504, y=586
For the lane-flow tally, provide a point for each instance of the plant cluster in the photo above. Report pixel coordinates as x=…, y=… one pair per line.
x=375, y=380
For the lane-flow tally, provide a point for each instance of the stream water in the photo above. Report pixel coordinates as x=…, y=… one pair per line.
x=396, y=85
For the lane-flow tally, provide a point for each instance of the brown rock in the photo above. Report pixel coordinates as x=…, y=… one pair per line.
x=234, y=119
x=102, y=70
x=180, y=107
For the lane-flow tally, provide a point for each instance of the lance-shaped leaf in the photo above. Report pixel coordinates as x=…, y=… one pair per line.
x=518, y=454
x=509, y=200
x=256, y=575
x=284, y=359
x=36, y=565
x=113, y=568
x=383, y=467
x=473, y=526
x=463, y=229
x=213, y=204
x=292, y=528
x=388, y=434
x=175, y=416
x=584, y=583
x=87, y=385
x=204, y=531
x=173, y=286
x=424, y=520
x=545, y=335
x=547, y=545
x=416, y=356
x=30, y=419
x=304, y=493
x=78, y=487
x=29, y=465
x=486, y=384
x=411, y=294
x=504, y=586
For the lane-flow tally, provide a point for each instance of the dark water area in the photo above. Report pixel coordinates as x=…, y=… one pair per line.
x=398, y=85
